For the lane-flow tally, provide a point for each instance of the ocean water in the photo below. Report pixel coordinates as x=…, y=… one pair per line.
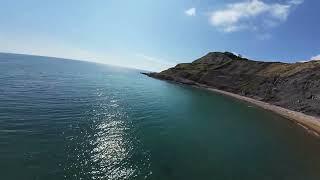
x=63, y=119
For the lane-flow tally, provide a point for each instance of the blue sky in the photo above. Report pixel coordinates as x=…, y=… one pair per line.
x=154, y=35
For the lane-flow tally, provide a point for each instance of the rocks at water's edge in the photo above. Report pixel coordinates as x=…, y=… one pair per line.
x=292, y=86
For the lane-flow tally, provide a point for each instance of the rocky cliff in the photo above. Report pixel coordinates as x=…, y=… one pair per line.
x=292, y=86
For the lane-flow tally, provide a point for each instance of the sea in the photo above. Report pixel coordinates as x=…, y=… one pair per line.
x=73, y=120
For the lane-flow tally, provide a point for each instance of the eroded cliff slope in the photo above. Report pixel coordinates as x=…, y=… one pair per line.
x=293, y=86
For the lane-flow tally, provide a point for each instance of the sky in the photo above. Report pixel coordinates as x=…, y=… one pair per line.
x=157, y=34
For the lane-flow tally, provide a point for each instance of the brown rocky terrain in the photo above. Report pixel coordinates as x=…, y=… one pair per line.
x=293, y=86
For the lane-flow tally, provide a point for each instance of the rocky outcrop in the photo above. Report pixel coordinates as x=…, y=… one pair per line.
x=292, y=86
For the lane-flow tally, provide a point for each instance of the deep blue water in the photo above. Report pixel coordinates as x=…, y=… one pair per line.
x=63, y=119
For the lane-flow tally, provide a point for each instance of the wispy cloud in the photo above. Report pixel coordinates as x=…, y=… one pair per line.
x=159, y=62
x=316, y=57
x=264, y=36
x=251, y=14
x=47, y=46
x=191, y=12
x=296, y=2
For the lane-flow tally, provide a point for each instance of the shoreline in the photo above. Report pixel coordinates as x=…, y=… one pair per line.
x=310, y=123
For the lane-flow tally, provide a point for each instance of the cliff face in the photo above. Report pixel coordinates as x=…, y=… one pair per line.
x=293, y=86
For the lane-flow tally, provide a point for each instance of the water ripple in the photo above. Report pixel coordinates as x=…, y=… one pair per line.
x=109, y=148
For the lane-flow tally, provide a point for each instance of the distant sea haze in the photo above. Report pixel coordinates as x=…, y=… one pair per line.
x=62, y=119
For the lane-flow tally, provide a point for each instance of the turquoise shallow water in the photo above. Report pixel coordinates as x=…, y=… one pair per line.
x=62, y=119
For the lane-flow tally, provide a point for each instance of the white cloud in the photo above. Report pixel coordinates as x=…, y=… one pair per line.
x=316, y=57
x=249, y=15
x=191, y=12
